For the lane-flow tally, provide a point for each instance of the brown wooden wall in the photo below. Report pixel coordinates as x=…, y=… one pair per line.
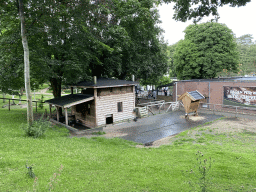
x=107, y=104
x=114, y=91
x=81, y=113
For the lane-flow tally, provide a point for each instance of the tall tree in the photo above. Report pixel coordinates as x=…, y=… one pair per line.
x=170, y=54
x=247, y=54
x=26, y=64
x=71, y=40
x=207, y=49
x=197, y=9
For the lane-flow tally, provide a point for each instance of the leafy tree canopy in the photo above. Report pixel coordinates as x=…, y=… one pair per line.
x=247, y=55
x=207, y=49
x=197, y=9
x=73, y=40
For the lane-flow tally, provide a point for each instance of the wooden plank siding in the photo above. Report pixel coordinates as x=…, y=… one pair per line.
x=81, y=113
x=107, y=105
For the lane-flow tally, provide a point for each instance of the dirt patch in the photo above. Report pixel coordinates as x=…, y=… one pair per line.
x=228, y=125
x=194, y=118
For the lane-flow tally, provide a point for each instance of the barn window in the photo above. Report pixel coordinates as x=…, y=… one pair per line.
x=120, y=106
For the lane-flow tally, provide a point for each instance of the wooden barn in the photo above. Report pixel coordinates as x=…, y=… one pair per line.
x=102, y=101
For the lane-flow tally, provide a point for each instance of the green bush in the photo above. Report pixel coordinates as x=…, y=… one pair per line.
x=37, y=129
x=41, y=102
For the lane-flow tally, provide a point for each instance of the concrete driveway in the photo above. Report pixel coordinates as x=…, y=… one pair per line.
x=150, y=129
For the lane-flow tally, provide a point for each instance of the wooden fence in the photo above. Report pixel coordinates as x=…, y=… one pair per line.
x=155, y=107
x=9, y=101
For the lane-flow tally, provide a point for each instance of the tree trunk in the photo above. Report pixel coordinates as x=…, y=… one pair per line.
x=4, y=97
x=56, y=87
x=56, y=90
x=26, y=64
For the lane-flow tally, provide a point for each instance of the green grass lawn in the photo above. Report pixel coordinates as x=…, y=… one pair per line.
x=100, y=164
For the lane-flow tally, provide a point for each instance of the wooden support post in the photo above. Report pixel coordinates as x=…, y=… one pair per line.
x=133, y=90
x=36, y=106
x=9, y=104
x=72, y=90
x=95, y=102
x=50, y=111
x=4, y=97
x=66, y=115
x=58, y=115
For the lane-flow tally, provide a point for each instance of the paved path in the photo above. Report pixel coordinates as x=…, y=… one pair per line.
x=156, y=127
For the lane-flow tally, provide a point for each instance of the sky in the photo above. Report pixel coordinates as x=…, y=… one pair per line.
x=241, y=20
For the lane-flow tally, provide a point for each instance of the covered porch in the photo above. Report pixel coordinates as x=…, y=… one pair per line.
x=68, y=117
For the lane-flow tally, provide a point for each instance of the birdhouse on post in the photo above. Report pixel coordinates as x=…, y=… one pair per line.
x=191, y=101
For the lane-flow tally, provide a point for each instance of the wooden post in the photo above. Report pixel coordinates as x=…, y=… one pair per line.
x=95, y=80
x=50, y=111
x=72, y=90
x=9, y=104
x=4, y=97
x=133, y=90
x=58, y=115
x=36, y=106
x=66, y=115
x=95, y=102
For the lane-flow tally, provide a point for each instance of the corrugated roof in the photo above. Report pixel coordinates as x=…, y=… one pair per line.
x=196, y=95
x=105, y=82
x=70, y=100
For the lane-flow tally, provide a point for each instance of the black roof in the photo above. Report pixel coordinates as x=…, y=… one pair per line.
x=105, y=82
x=196, y=95
x=167, y=85
x=70, y=100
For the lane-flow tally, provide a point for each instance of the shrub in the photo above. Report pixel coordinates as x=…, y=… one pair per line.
x=204, y=166
x=30, y=170
x=98, y=133
x=41, y=102
x=37, y=129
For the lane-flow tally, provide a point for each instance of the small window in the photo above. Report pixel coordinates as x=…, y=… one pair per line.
x=89, y=109
x=120, y=106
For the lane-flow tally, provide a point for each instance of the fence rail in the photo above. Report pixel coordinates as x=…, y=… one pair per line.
x=9, y=106
x=227, y=108
x=155, y=107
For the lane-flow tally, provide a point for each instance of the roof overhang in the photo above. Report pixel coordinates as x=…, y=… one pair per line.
x=97, y=87
x=70, y=100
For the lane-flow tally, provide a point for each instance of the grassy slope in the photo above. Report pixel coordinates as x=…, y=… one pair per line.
x=100, y=164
